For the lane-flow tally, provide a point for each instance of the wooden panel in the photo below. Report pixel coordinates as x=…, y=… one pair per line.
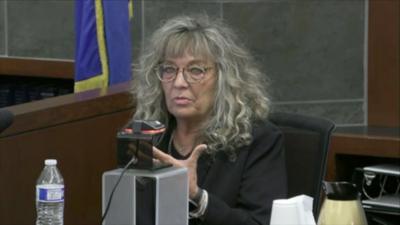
x=79, y=131
x=68, y=108
x=383, y=63
x=84, y=150
x=370, y=142
x=37, y=67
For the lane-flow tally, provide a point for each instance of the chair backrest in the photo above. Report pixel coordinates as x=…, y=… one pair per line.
x=306, y=141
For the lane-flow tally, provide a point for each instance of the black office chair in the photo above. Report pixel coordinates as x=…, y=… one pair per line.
x=306, y=147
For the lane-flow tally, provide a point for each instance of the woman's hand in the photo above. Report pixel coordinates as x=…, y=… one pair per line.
x=190, y=164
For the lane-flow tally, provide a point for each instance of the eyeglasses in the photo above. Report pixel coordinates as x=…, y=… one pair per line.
x=191, y=74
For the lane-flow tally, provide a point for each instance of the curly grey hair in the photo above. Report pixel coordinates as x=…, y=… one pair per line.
x=240, y=96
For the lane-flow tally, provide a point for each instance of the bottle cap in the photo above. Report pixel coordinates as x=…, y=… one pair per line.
x=50, y=162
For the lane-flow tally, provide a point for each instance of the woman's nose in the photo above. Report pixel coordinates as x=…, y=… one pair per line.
x=180, y=79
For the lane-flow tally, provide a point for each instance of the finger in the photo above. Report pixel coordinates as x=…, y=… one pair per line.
x=156, y=162
x=141, y=150
x=145, y=144
x=132, y=147
x=160, y=155
x=198, y=150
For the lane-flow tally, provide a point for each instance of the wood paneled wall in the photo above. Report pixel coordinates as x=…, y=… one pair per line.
x=384, y=63
x=79, y=131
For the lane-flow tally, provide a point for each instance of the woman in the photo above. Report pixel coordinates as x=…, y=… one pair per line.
x=196, y=78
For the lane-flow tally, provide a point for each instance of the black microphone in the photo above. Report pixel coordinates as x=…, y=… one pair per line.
x=6, y=119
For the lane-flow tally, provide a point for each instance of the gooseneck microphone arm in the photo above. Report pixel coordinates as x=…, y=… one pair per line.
x=6, y=119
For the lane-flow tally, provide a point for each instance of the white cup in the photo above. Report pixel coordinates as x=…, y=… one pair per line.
x=293, y=211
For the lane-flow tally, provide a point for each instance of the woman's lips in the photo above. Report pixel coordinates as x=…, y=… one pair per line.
x=182, y=100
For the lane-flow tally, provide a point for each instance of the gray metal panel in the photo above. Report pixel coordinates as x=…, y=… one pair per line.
x=122, y=208
x=171, y=206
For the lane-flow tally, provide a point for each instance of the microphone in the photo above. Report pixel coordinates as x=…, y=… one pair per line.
x=6, y=119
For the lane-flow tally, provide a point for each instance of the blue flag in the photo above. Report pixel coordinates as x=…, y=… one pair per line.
x=103, y=43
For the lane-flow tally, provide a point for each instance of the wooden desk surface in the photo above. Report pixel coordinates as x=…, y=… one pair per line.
x=369, y=132
x=370, y=141
x=380, y=142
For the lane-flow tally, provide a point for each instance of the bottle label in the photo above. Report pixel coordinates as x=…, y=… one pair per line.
x=50, y=193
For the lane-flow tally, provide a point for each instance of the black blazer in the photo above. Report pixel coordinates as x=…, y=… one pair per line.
x=241, y=191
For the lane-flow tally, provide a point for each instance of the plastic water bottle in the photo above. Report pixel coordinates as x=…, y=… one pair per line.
x=50, y=195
